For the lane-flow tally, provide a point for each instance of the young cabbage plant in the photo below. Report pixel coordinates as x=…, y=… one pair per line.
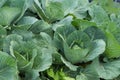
x=78, y=46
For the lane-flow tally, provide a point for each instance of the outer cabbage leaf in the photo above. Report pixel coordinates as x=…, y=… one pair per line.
x=88, y=74
x=8, y=15
x=97, y=48
x=95, y=33
x=40, y=26
x=112, y=46
x=110, y=6
x=32, y=75
x=69, y=64
x=26, y=35
x=109, y=70
x=78, y=8
x=43, y=59
x=8, y=39
x=62, y=23
x=27, y=20
x=54, y=11
x=82, y=24
x=8, y=67
x=21, y=4
x=98, y=14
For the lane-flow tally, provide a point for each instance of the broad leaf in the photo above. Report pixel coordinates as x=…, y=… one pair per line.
x=95, y=33
x=27, y=35
x=69, y=65
x=8, y=15
x=112, y=52
x=97, y=48
x=32, y=75
x=109, y=70
x=39, y=26
x=109, y=6
x=27, y=20
x=77, y=8
x=8, y=67
x=21, y=4
x=46, y=37
x=88, y=74
x=98, y=14
x=43, y=60
x=54, y=11
x=62, y=23
x=8, y=39
x=82, y=24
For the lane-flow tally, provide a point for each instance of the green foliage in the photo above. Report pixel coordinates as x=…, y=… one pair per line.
x=59, y=40
x=8, y=15
x=8, y=67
